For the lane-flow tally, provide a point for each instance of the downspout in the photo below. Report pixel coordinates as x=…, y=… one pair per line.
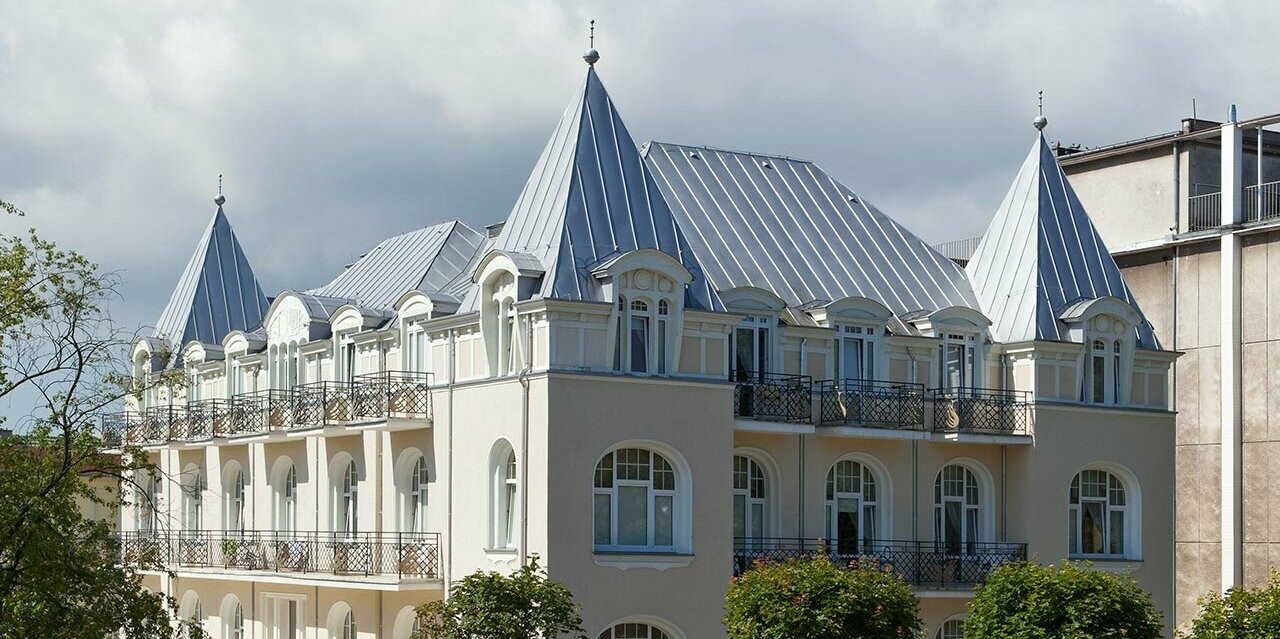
x=452, y=364
x=800, y=439
x=1004, y=493
x=524, y=453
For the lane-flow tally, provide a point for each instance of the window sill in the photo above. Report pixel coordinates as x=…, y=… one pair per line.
x=629, y=560
x=501, y=555
x=1115, y=565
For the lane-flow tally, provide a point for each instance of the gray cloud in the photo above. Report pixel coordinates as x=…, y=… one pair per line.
x=340, y=123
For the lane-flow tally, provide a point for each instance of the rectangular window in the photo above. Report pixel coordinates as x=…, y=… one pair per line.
x=1091, y=540
x=1099, y=379
x=604, y=532
x=1115, y=545
x=662, y=347
x=953, y=531
x=633, y=516
x=757, y=521
x=955, y=372
x=744, y=354
x=739, y=515
x=847, y=534
x=868, y=526
x=662, y=526
x=851, y=358
x=639, y=344
x=1073, y=531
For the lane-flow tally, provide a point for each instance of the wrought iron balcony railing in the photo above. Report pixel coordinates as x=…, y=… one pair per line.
x=206, y=419
x=261, y=411
x=773, y=396
x=981, y=410
x=120, y=428
x=873, y=403
x=323, y=403
x=392, y=394
x=923, y=564
x=403, y=555
x=159, y=423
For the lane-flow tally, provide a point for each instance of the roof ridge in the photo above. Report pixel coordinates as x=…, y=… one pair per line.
x=777, y=156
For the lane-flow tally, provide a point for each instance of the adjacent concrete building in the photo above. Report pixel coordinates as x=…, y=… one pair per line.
x=667, y=363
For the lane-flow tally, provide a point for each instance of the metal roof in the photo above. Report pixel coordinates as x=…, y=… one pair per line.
x=786, y=226
x=589, y=196
x=217, y=292
x=1042, y=254
x=427, y=259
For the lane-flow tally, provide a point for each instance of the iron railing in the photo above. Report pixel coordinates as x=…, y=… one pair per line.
x=160, y=422
x=1204, y=211
x=120, y=428
x=923, y=564
x=392, y=394
x=773, y=396
x=261, y=411
x=206, y=419
x=1261, y=207
x=404, y=555
x=872, y=403
x=981, y=410
x=322, y=403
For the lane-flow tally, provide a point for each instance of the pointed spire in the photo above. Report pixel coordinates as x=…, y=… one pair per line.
x=221, y=199
x=591, y=198
x=592, y=56
x=1040, y=122
x=1041, y=255
x=218, y=291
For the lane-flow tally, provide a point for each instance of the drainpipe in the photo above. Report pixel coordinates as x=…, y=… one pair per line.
x=1232, y=565
x=524, y=463
x=451, y=362
x=1177, y=188
x=800, y=500
x=1004, y=493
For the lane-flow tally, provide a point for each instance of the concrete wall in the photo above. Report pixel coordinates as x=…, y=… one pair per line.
x=1130, y=199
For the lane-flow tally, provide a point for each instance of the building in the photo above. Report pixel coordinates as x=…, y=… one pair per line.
x=668, y=362
x=1193, y=219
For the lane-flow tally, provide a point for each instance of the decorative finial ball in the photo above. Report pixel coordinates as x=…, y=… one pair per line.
x=220, y=200
x=1040, y=122
x=591, y=56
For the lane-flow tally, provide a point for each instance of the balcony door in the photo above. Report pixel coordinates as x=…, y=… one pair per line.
x=857, y=353
x=284, y=617
x=957, y=510
x=751, y=346
x=851, y=507
x=749, y=501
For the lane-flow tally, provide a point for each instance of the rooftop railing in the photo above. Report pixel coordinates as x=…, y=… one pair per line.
x=773, y=396
x=403, y=555
x=981, y=410
x=1204, y=211
x=1262, y=201
x=1258, y=202
x=871, y=403
x=392, y=394
x=923, y=564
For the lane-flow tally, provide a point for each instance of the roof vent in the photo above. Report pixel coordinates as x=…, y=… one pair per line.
x=694, y=155
x=766, y=164
x=853, y=198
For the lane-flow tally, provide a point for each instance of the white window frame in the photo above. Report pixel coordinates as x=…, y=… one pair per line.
x=652, y=496
x=234, y=520
x=286, y=497
x=193, y=498
x=868, y=338
x=634, y=629
x=1116, y=486
x=418, y=485
x=868, y=508
x=504, y=497
x=277, y=607
x=347, y=501
x=972, y=515
x=1109, y=352
x=952, y=628
x=971, y=369
x=657, y=316
x=763, y=331
x=751, y=490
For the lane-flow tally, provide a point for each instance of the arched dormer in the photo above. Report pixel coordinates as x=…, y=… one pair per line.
x=859, y=323
x=292, y=320
x=754, y=349
x=647, y=288
x=1106, y=328
x=504, y=279
x=962, y=332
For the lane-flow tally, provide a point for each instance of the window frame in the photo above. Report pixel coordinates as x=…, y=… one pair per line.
x=869, y=532
x=969, y=536
x=970, y=343
x=652, y=496
x=751, y=501
x=763, y=330
x=657, y=317
x=868, y=338
x=1128, y=511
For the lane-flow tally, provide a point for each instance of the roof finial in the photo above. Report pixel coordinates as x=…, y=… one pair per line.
x=592, y=56
x=1040, y=122
x=220, y=200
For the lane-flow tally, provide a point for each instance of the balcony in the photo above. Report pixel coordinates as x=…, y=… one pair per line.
x=404, y=556
x=981, y=411
x=773, y=397
x=392, y=394
x=118, y=428
x=323, y=403
x=261, y=412
x=1259, y=202
x=871, y=403
x=205, y=419
x=922, y=564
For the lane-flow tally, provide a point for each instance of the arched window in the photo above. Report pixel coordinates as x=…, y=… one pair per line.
x=347, y=500
x=235, y=501
x=286, y=492
x=503, y=501
x=1096, y=515
x=951, y=629
x=348, y=629
x=232, y=618
x=148, y=511
x=416, y=513
x=852, y=506
x=192, y=497
x=191, y=614
x=957, y=508
x=633, y=631
x=634, y=501
x=750, y=495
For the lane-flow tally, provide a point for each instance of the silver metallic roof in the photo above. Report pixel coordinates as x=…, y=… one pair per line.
x=217, y=292
x=1042, y=254
x=784, y=225
x=427, y=259
x=591, y=196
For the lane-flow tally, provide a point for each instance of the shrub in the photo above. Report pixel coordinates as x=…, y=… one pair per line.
x=1240, y=613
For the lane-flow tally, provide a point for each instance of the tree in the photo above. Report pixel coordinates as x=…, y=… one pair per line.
x=60, y=571
x=815, y=599
x=1026, y=601
x=491, y=605
x=1240, y=613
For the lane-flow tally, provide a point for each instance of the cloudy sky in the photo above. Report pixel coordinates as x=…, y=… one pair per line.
x=339, y=123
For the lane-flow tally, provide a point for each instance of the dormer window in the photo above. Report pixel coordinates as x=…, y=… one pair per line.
x=751, y=346
x=1104, y=371
x=960, y=366
x=642, y=336
x=857, y=352
x=415, y=349
x=640, y=322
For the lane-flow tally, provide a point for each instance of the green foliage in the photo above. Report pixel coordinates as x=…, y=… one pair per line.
x=491, y=605
x=60, y=574
x=1240, y=613
x=815, y=599
x=1029, y=601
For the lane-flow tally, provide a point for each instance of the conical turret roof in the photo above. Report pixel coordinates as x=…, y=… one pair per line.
x=217, y=293
x=591, y=197
x=1042, y=254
